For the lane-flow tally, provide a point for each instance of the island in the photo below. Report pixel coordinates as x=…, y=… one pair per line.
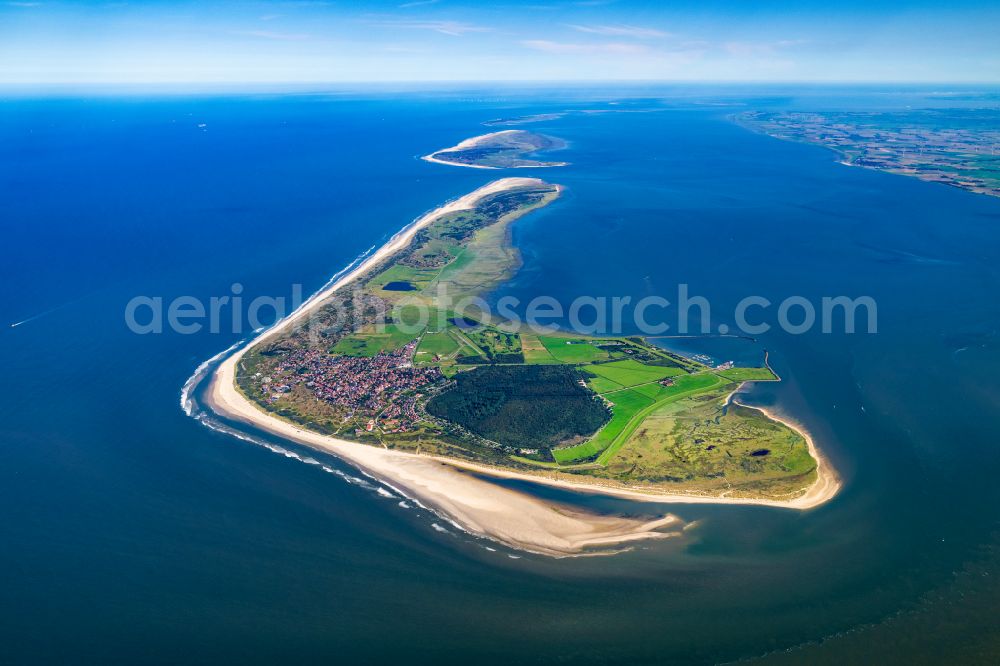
x=507, y=149
x=957, y=147
x=526, y=120
x=378, y=371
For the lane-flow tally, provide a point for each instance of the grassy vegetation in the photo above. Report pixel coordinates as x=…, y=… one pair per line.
x=629, y=407
x=651, y=391
x=439, y=344
x=599, y=384
x=748, y=374
x=496, y=345
x=559, y=347
x=684, y=387
x=406, y=324
x=698, y=442
x=468, y=350
x=631, y=373
x=371, y=341
x=534, y=351
x=535, y=393
x=419, y=278
x=625, y=405
x=573, y=350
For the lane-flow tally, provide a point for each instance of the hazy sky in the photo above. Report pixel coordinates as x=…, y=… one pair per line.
x=275, y=41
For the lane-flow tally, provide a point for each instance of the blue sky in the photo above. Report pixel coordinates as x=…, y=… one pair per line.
x=293, y=41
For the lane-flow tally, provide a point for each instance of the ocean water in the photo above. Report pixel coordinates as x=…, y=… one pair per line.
x=132, y=532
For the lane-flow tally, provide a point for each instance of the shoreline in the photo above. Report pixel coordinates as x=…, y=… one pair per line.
x=485, y=509
x=477, y=140
x=431, y=158
x=843, y=160
x=516, y=519
x=822, y=490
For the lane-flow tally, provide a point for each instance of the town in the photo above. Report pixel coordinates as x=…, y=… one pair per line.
x=381, y=390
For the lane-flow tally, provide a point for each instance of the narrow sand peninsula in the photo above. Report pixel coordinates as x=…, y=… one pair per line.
x=510, y=517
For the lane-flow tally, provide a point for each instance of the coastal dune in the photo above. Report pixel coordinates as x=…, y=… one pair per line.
x=455, y=489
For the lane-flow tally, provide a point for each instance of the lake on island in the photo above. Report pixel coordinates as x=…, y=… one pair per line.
x=120, y=508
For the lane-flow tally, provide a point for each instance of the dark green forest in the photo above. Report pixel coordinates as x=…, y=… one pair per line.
x=525, y=406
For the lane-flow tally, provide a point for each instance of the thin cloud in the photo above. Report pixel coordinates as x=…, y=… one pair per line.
x=743, y=49
x=635, y=31
x=574, y=48
x=402, y=48
x=418, y=3
x=453, y=28
x=269, y=34
x=13, y=3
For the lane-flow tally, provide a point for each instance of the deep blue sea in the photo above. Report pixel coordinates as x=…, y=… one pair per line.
x=132, y=533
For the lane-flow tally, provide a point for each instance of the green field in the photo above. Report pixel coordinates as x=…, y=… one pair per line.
x=572, y=350
x=651, y=391
x=630, y=407
x=599, y=384
x=440, y=343
x=408, y=323
x=748, y=374
x=630, y=373
x=534, y=351
x=625, y=405
x=370, y=343
x=399, y=273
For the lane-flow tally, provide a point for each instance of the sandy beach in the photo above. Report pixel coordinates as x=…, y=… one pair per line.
x=477, y=140
x=516, y=519
x=477, y=506
x=463, y=145
x=823, y=489
x=431, y=158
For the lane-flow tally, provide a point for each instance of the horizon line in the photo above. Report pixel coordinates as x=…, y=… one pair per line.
x=451, y=83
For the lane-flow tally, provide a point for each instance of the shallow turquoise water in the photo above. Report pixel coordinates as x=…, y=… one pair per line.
x=132, y=532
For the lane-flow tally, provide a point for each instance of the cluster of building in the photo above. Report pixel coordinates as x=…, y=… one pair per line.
x=384, y=387
x=400, y=415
